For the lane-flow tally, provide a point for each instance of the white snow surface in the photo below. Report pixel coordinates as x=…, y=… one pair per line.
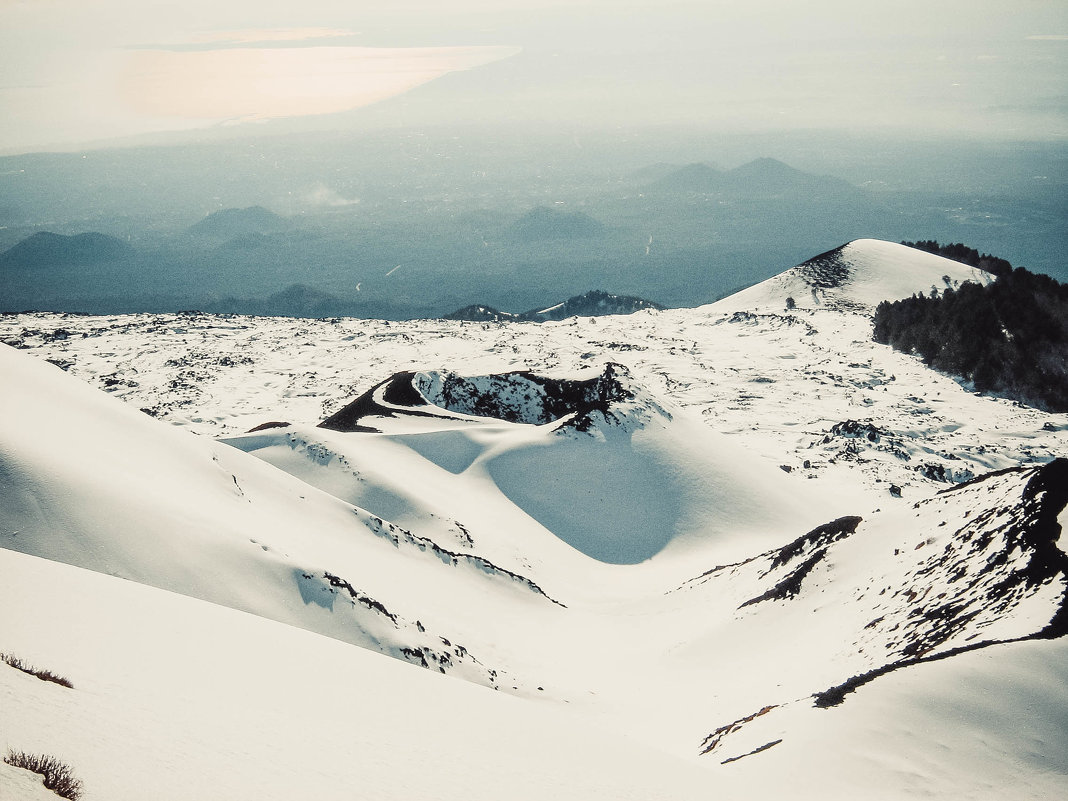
x=860, y=274
x=597, y=599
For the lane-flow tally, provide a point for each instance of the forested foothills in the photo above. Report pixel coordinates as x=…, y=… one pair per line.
x=1009, y=338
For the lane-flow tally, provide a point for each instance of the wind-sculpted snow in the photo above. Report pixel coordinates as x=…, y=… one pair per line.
x=399, y=536
x=972, y=567
x=91, y=482
x=549, y=445
x=744, y=549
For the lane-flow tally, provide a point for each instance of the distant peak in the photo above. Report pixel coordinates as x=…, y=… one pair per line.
x=856, y=276
x=543, y=222
x=595, y=303
x=696, y=168
x=480, y=313
x=697, y=177
x=765, y=164
x=233, y=222
x=45, y=248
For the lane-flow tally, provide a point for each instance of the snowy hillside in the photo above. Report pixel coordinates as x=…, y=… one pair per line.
x=858, y=274
x=739, y=549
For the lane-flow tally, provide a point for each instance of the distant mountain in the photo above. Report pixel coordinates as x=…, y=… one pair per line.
x=546, y=223
x=594, y=303
x=246, y=242
x=768, y=176
x=480, y=313
x=763, y=177
x=655, y=172
x=770, y=170
x=295, y=300
x=697, y=178
x=591, y=304
x=228, y=224
x=46, y=249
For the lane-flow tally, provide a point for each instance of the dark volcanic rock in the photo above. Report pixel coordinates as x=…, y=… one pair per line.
x=827, y=270
x=479, y=313
x=517, y=397
x=594, y=303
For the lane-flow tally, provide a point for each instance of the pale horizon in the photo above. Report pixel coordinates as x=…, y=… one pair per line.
x=75, y=73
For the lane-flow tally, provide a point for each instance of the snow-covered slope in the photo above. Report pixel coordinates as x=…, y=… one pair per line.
x=176, y=699
x=91, y=482
x=736, y=548
x=859, y=274
x=595, y=459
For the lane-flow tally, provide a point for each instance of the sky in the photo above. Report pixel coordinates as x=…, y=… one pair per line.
x=77, y=71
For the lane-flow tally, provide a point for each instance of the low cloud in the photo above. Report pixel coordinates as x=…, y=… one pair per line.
x=323, y=195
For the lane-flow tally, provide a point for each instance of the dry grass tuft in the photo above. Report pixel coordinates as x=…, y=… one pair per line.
x=58, y=776
x=43, y=675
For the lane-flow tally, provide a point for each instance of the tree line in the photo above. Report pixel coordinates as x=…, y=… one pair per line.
x=1009, y=338
x=965, y=255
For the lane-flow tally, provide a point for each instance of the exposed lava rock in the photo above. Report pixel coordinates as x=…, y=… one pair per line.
x=825, y=271
x=999, y=558
x=517, y=397
x=524, y=397
x=397, y=390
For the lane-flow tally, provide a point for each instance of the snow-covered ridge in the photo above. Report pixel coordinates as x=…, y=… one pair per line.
x=857, y=275
x=972, y=568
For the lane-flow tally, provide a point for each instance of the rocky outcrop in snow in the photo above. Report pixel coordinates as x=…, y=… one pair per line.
x=610, y=397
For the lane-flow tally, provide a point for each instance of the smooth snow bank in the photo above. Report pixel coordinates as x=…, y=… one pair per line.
x=88, y=481
x=992, y=724
x=626, y=496
x=177, y=699
x=617, y=475
x=18, y=784
x=862, y=273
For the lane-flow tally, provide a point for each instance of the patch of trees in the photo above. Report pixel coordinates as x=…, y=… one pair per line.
x=1009, y=338
x=965, y=255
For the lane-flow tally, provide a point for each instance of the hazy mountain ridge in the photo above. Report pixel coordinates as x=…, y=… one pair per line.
x=548, y=223
x=443, y=211
x=594, y=303
x=46, y=249
x=229, y=224
x=763, y=177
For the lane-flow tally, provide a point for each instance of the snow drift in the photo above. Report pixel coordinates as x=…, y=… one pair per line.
x=698, y=551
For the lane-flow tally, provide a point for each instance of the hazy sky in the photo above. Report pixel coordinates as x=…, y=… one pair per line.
x=80, y=70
